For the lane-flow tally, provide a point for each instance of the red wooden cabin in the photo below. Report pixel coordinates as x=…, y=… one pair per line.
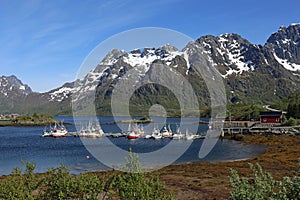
x=271, y=117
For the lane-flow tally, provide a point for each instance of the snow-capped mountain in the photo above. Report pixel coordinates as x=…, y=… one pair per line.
x=16, y=97
x=251, y=72
x=11, y=85
x=232, y=54
x=255, y=73
x=285, y=47
x=117, y=62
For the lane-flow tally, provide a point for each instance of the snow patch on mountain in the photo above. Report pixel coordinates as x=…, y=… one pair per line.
x=286, y=64
x=61, y=94
x=149, y=56
x=186, y=57
x=233, y=51
x=137, y=59
x=22, y=87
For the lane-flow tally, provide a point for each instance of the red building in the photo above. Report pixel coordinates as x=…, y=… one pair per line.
x=271, y=117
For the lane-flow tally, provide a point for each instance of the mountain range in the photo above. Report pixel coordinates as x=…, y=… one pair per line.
x=251, y=74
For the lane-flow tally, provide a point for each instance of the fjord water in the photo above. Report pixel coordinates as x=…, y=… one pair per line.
x=26, y=143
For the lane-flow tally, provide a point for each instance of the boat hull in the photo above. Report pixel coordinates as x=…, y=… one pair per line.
x=132, y=137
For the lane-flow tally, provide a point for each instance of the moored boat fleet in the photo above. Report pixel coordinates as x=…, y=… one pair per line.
x=56, y=131
x=134, y=131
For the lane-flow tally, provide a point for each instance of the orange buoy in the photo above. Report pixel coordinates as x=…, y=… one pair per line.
x=87, y=157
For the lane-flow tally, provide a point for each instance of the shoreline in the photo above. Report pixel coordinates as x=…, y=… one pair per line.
x=11, y=124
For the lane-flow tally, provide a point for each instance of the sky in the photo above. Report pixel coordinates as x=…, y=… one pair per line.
x=44, y=42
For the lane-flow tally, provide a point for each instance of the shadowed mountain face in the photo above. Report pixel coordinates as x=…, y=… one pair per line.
x=251, y=73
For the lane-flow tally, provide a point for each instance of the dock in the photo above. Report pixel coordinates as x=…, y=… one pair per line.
x=256, y=127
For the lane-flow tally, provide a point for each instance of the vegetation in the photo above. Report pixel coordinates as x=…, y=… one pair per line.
x=60, y=184
x=29, y=120
x=291, y=104
x=289, y=122
x=262, y=185
x=143, y=120
x=244, y=111
x=33, y=119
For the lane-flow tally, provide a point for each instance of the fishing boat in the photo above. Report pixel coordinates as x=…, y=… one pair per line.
x=166, y=132
x=156, y=134
x=91, y=131
x=133, y=133
x=57, y=131
x=47, y=133
x=148, y=136
x=189, y=136
x=178, y=135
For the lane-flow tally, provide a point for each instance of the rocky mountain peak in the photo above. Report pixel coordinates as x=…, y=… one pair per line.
x=286, y=34
x=11, y=83
x=231, y=53
x=285, y=46
x=112, y=56
x=168, y=48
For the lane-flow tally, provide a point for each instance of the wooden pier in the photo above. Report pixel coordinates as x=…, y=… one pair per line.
x=256, y=127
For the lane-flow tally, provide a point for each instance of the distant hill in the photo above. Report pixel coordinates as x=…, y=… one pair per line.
x=16, y=97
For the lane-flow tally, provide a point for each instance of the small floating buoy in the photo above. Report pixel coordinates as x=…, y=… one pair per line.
x=87, y=157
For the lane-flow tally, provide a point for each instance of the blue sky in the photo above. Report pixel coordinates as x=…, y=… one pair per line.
x=44, y=42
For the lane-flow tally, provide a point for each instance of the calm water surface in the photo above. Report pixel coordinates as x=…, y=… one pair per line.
x=26, y=143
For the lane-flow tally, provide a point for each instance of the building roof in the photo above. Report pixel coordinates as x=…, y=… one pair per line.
x=270, y=114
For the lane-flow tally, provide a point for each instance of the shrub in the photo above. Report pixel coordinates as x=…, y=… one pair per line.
x=20, y=185
x=135, y=184
x=60, y=184
x=263, y=186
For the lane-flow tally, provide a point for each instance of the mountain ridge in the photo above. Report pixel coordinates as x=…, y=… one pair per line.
x=251, y=73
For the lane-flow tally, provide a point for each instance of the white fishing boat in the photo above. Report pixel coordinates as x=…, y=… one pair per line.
x=148, y=136
x=47, y=133
x=59, y=131
x=166, y=132
x=156, y=134
x=55, y=131
x=189, y=136
x=91, y=131
x=178, y=135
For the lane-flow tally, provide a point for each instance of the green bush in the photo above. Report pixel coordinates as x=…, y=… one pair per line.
x=291, y=122
x=20, y=185
x=134, y=184
x=60, y=184
x=263, y=186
